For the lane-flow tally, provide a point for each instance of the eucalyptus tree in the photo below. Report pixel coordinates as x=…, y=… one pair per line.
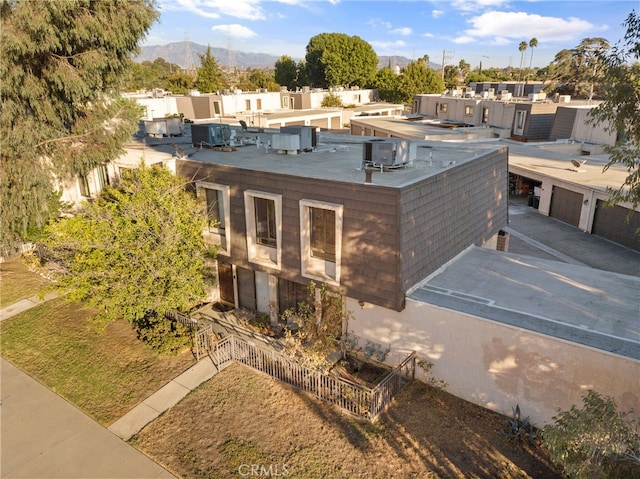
x=618, y=113
x=63, y=64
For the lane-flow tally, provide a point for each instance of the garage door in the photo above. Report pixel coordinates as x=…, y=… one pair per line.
x=566, y=205
x=611, y=223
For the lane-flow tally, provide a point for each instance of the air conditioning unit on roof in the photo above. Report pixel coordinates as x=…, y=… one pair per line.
x=379, y=152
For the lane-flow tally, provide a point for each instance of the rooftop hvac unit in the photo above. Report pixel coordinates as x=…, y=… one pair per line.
x=285, y=142
x=379, y=152
x=210, y=135
x=308, y=139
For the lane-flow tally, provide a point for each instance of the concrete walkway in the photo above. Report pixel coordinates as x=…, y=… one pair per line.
x=43, y=436
x=24, y=304
x=168, y=396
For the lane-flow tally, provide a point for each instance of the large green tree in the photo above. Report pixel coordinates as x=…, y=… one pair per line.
x=387, y=83
x=338, y=59
x=620, y=111
x=210, y=76
x=286, y=72
x=62, y=63
x=419, y=78
x=137, y=250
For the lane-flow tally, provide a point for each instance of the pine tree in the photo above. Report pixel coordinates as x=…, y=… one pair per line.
x=210, y=78
x=62, y=64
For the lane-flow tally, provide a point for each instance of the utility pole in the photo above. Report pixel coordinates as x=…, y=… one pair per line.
x=446, y=57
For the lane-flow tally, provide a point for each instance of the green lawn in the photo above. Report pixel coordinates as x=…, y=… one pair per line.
x=103, y=373
x=17, y=282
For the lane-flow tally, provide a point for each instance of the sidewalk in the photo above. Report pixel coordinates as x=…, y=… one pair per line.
x=43, y=436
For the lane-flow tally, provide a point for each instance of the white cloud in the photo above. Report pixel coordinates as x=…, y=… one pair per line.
x=404, y=31
x=463, y=40
x=245, y=9
x=437, y=13
x=522, y=25
x=475, y=5
x=388, y=45
x=428, y=35
x=234, y=30
x=378, y=23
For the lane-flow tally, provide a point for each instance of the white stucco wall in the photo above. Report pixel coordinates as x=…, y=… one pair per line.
x=498, y=366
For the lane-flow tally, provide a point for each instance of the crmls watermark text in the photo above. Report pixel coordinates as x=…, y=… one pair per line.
x=262, y=470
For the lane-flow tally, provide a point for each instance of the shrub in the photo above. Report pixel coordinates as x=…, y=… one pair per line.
x=331, y=101
x=163, y=336
x=596, y=441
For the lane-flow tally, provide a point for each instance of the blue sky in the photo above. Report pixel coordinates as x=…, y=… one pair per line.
x=487, y=31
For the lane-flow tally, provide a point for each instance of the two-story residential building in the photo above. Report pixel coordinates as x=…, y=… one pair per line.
x=369, y=218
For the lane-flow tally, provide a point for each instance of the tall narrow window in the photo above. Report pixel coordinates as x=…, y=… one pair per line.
x=83, y=182
x=215, y=210
x=217, y=197
x=265, y=211
x=103, y=176
x=321, y=240
x=263, y=215
x=323, y=233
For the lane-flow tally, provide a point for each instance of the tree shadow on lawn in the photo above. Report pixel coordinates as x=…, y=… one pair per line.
x=450, y=437
x=455, y=438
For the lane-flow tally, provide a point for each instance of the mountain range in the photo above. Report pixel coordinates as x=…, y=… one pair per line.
x=186, y=55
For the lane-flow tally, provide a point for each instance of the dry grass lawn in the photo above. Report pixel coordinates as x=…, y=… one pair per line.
x=17, y=282
x=242, y=418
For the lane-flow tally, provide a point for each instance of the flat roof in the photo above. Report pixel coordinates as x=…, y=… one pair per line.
x=551, y=158
x=554, y=160
x=576, y=303
x=339, y=158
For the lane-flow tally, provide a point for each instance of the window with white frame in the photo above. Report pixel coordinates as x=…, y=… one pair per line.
x=285, y=102
x=321, y=240
x=103, y=176
x=218, y=213
x=263, y=213
x=468, y=110
x=443, y=107
x=83, y=183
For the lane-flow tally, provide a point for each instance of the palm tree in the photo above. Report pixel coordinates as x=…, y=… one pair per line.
x=521, y=48
x=533, y=43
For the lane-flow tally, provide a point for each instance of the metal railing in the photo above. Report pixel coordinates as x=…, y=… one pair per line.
x=349, y=396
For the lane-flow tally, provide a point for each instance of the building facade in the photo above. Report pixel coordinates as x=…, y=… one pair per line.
x=284, y=219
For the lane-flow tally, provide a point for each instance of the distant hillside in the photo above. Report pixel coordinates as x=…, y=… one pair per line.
x=176, y=53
